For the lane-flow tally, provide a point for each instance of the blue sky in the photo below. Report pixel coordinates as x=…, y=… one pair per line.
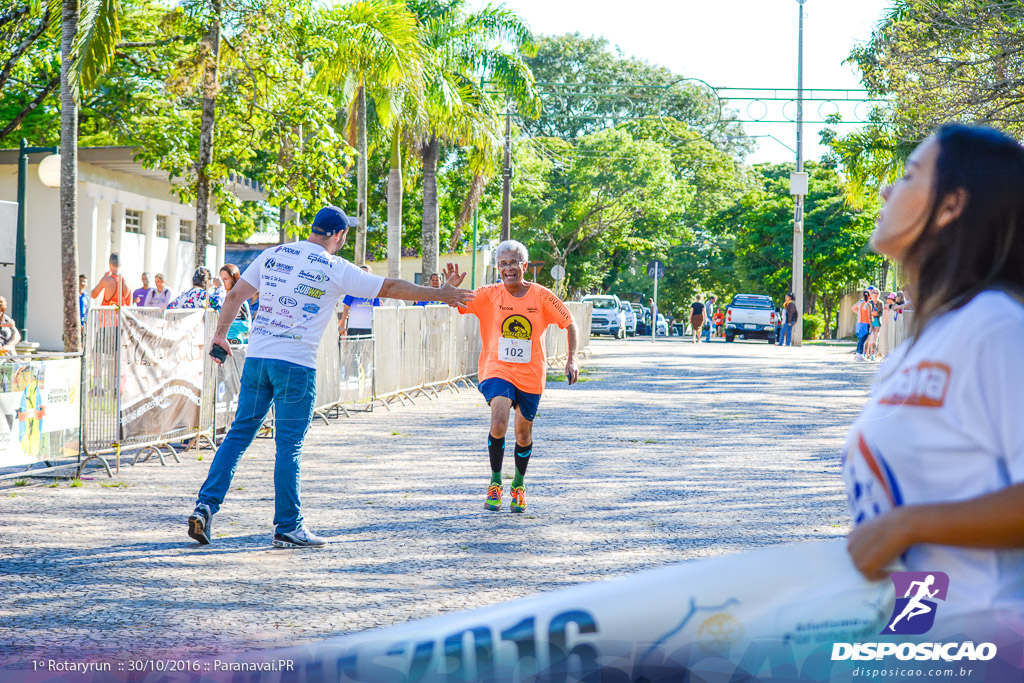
x=731, y=44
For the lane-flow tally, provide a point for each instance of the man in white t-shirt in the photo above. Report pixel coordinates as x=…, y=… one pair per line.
x=298, y=284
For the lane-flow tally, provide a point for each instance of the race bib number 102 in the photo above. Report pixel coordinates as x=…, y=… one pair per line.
x=514, y=350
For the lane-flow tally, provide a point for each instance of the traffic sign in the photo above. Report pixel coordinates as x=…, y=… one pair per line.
x=557, y=272
x=655, y=269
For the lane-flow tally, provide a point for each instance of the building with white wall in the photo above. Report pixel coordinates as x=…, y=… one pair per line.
x=123, y=207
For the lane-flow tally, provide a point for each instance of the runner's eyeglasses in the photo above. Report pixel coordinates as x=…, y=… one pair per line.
x=508, y=264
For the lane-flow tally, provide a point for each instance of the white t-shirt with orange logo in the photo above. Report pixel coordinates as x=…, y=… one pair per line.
x=945, y=422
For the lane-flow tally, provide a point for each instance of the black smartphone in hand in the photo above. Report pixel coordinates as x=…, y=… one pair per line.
x=218, y=353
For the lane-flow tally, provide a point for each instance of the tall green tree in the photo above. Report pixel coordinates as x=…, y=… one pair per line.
x=836, y=256
x=957, y=60
x=591, y=85
x=464, y=50
x=375, y=46
x=578, y=204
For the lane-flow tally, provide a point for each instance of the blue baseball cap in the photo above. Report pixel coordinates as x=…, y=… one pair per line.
x=330, y=220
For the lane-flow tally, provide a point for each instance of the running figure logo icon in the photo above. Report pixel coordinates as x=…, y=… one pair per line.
x=914, y=613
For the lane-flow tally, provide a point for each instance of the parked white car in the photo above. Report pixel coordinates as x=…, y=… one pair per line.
x=751, y=316
x=608, y=317
x=630, y=318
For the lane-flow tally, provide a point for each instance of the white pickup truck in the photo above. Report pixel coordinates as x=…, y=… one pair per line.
x=752, y=316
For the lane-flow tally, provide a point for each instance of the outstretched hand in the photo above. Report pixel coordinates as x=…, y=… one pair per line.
x=450, y=292
x=452, y=275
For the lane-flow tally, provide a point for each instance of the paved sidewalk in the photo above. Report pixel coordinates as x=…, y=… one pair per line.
x=667, y=452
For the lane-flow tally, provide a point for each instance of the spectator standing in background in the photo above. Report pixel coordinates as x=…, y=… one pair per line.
x=83, y=299
x=789, y=318
x=357, y=314
x=199, y=295
x=696, y=319
x=162, y=295
x=111, y=288
x=709, y=314
x=871, y=347
x=239, y=330
x=862, y=309
x=9, y=334
x=719, y=321
x=140, y=297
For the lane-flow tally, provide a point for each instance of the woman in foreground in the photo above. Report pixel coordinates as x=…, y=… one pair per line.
x=934, y=465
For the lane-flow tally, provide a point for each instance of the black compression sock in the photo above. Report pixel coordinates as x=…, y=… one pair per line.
x=496, y=449
x=523, y=454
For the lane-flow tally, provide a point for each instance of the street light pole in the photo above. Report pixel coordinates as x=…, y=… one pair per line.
x=506, y=189
x=19, y=293
x=798, y=186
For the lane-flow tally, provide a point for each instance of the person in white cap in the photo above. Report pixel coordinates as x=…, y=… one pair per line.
x=299, y=284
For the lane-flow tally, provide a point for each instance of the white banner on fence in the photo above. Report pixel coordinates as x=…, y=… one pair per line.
x=162, y=365
x=39, y=410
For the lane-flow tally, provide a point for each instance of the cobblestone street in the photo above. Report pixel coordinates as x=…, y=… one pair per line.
x=666, y=452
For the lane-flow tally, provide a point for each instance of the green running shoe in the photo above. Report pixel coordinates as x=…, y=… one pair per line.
x=518, y=499
x=493, y=501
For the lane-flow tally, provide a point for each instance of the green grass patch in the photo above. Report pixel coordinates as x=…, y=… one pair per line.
x=75, y=483
x=115, y=485
x=21, y=482
x=53, y=484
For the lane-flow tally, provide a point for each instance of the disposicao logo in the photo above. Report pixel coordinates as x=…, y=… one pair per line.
x=914, y=615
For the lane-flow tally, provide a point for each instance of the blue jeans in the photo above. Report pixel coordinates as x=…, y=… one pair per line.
x=786, y=334
x=862, y=330
x=291, y=389
x=707, y=331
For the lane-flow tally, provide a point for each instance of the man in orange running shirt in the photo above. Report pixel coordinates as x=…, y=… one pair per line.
x=514, y=317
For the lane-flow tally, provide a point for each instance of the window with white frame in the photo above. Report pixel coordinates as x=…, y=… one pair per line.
x=133, y=221
x=161, y=226
x=185, y=231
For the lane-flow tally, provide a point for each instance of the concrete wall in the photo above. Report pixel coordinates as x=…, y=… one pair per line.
x=103, y=197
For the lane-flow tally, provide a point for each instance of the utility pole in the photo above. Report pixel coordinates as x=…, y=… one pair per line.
x=798, y=186
x=506, y=188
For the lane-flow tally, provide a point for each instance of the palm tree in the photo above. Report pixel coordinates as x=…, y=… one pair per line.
x=376, y=48
x=466, y=50
x=90, y=31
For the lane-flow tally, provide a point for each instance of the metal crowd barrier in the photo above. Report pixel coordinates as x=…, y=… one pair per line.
x=148, y=382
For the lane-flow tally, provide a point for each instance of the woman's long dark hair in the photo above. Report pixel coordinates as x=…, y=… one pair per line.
x=232, y=271
x=982, y=246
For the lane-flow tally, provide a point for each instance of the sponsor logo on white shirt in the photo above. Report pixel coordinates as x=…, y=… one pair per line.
x=311, y=308
x=924, y=385
x=311, y=292
x=287, y=301
x=317, y=258
x=316, y=276
x=288, y=250
x=274, y=264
